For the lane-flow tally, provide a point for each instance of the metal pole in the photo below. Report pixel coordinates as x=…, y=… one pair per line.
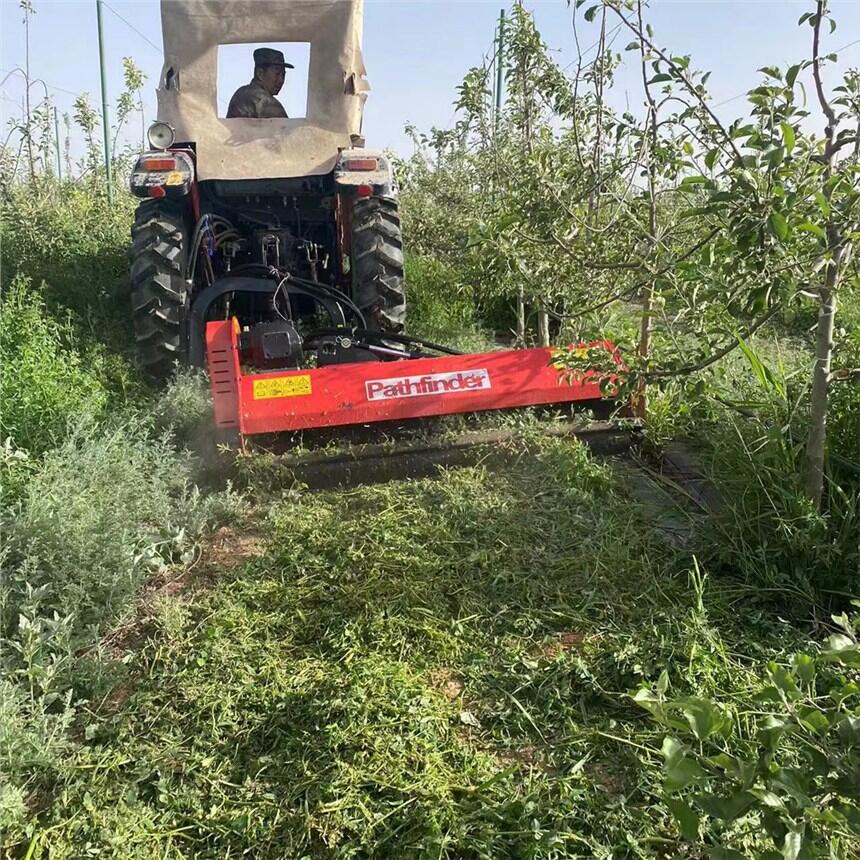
x=500, y=86
x=500, y=65
x=57, y=137
x=105, y=123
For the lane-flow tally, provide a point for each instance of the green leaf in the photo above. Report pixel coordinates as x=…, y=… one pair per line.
x=795, y=783
x=783, y=680
x=771, y=731
x=690, y=181
x=791, y=74
x=703, y=716
x=632, y=46
x=771, y=384
x=508, y=220
x=849, y=730
x=738, y=768
x=725, y=808
x=842, y=650
x=757, y=299
x=845, y=622
x=814, y=720
x=680, y=770
x=663, y=683
x=658, y=79
x=778, y=226
x=775, y=157
x=793, y=843
x=687, y=819
x=591, y=12
x=647, y=700
x=804, y=668
x=809, y=227
x=787, y=136
x=711, y=157
x=771, y=72
x=768, y=798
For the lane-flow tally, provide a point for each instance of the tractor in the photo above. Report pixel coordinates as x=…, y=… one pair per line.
x=268, y=249
x=288, y=226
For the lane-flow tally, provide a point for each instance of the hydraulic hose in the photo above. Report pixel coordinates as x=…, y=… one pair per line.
x=374, y=335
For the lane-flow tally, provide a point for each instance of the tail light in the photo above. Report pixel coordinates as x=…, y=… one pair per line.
x=361, y=164
x=154, y=165
x=172, y=172
x=363, y=173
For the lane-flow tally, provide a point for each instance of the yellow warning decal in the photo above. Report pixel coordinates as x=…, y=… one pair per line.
x=281, y=386
x=174, y=178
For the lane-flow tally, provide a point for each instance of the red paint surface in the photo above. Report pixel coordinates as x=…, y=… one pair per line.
x=338, y=395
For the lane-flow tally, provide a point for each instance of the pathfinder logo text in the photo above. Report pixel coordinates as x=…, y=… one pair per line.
x=431, y=383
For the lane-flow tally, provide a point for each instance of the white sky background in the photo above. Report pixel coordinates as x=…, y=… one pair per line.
x=417, y=51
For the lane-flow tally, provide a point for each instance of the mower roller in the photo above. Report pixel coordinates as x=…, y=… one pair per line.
x=270, y=251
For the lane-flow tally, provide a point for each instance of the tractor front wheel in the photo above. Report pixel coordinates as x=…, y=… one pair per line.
x=376, y=262
x=159, y=299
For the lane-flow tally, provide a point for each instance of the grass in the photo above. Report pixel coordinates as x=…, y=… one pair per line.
x=433, y=668
x=436, y=668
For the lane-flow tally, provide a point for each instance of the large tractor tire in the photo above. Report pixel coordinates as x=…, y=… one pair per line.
x=376, y=261
x=159, y=299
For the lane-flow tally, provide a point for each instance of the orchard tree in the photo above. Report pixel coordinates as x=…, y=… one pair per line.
x=781, y=204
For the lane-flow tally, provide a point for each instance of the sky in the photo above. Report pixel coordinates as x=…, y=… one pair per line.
x=417, y=51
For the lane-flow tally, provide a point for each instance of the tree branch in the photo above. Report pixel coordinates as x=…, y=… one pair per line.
x=720, y=353
x=821, y=8
x=846, y=374
x=682, y=76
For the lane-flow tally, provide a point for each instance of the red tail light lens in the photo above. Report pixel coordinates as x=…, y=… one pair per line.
x=154, y=164
x=361, y=164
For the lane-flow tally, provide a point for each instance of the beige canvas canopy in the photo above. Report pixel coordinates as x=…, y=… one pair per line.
x=262, y=148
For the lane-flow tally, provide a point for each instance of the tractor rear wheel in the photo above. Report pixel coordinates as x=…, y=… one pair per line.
x=159, y=298
x=376, y=261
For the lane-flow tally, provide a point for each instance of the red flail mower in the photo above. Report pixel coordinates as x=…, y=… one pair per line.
x=364, y=377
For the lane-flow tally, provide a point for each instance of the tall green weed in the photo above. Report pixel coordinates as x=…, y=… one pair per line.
x=95, y=495
x=440, y=305
x=44, y=382
x=75, y=243
x=767, y=531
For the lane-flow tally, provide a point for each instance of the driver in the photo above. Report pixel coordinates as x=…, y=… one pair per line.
x=257, y=99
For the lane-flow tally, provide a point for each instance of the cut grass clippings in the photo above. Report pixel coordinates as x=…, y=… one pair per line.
x=431, y=668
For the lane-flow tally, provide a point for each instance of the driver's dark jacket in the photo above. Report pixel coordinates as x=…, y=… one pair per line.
x=254, y=102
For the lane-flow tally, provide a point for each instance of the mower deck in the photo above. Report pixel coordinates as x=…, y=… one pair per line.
x=366, y=392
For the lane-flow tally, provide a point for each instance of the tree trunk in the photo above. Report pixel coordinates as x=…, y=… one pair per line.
x=816, y=438
x=639, y=400
x=543, y=326
x=521, y=317
x=594, y=196
x=639, y=404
